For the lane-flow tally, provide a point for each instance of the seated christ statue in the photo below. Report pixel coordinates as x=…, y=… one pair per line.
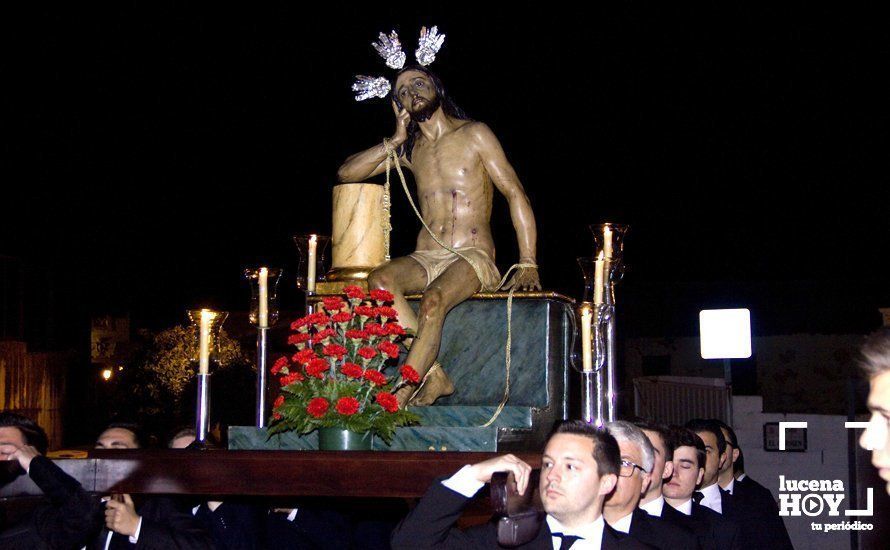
x=457, y=164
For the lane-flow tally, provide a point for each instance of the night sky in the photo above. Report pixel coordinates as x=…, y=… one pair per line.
x=153, y=151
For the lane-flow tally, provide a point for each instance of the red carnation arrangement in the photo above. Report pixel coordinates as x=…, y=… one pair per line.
x=336, y=378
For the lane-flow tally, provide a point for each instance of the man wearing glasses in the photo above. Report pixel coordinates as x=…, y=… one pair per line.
x=620, y=509
x=578, y=471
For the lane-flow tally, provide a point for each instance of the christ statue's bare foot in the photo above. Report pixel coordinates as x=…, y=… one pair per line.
x=435, y=384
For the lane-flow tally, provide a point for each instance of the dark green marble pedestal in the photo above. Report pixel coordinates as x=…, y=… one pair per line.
x=472, y=353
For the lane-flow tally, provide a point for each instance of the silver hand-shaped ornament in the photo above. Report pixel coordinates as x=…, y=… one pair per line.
x=428, y=45
x=390, y=49
x=368, y=86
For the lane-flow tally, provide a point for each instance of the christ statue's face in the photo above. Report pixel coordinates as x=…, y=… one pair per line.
x=417, y=95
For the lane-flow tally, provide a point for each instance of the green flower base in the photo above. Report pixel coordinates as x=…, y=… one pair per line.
x=337, y=439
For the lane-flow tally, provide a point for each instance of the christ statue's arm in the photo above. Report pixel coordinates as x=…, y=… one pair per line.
x=371, y=162
x=507, y=182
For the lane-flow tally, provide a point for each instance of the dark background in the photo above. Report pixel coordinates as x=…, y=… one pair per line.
x=153, y=150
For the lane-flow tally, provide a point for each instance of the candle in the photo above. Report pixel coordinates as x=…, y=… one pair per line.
x=204, y=342
x=263, y=320
x=607, y=241
x=586, y=355
x=310, y=275
x=598, y=279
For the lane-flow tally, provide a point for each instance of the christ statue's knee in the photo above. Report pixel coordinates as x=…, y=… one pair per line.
x=432, y=305
x=381, y=280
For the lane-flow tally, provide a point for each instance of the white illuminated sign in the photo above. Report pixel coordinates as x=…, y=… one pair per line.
x=725, y=333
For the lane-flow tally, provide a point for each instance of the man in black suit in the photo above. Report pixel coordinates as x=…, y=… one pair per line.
x=662, y=466
x=712, y=530
x=156, y=522
x=65, y=518
x=715, y=459
x=751, y=501
x=620, y=508
x=579, y=469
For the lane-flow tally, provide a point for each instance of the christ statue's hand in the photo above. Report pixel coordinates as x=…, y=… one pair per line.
x=526, y=278
x=402, y=120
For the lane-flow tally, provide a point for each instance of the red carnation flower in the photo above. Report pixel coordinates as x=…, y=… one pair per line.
x=367, y=352
x=291, y=378
x=301, y=322
x=354, y=293
x=323, y=334
x=394, y=329
x=321, y=319
x=356, y=334
x=279, y=401
x=334, y=350
x=386, y=312
x=375, y=329
x=342, y=317
x=409, y=374
x=351, y=370
x=298, y=338
x=379, y=295
x=389, y=349
x=375, y=377
x=333, y=303
x=317, y=368
x=388, y=401
x=318, y=406
x=279, y=364
x=347, y=406
x=364, y=311
x=304, y=356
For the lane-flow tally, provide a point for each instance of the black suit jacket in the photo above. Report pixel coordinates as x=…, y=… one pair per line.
x=233, y=525
x=65, y=521
x=430, y=525
x=658, y=533
x=166, y=525
x=751, y=505
x=314, y=528
x=712, y=530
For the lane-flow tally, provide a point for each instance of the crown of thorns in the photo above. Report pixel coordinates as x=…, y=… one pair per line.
x=390, y=49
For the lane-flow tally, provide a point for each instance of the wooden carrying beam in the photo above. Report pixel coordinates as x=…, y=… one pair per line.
x=260, y=473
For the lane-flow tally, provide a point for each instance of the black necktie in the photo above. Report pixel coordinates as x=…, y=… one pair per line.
x=698, y=496
x=567, y=540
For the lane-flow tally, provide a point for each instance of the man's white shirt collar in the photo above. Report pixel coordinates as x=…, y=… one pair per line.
x=623, y=524
x=685, y=508
x=654, y=507
x=591, y=534
x=712, y=498
x=729, y=488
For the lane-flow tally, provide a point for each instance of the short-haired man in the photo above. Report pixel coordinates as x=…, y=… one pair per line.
x=712, y=530
x=876, y=365
x=750, y=498
x=65, y=520
x=662, y=466
x=715, y=458
x=161, y=521
x=620, y=509
x=579, y=468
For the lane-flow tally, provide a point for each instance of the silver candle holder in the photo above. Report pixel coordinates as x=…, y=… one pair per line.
x=311, y=249
x=601, y=273
x=263, y=315
x=207, y=324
